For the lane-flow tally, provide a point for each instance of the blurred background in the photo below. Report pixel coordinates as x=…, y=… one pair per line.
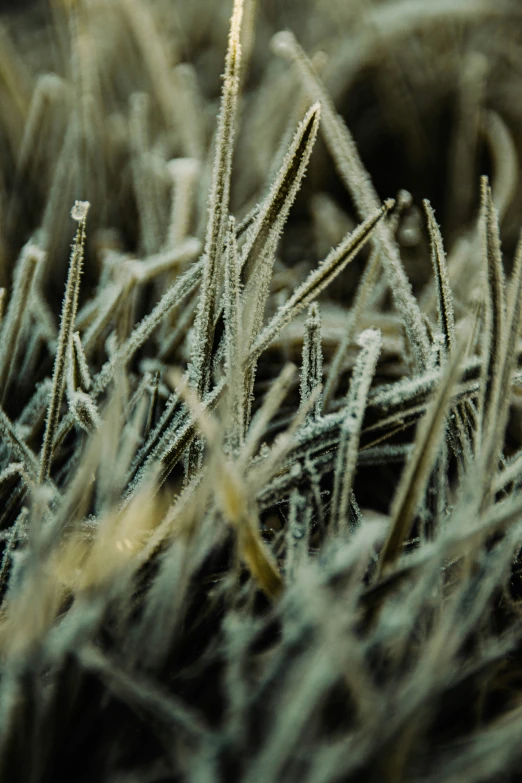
x=97, y=96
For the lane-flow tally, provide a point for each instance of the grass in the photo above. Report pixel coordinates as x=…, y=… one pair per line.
x=260, y=438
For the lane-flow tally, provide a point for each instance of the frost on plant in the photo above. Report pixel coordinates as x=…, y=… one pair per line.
x=260, y=418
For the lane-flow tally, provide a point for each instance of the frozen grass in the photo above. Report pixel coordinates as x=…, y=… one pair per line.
x=260, y=510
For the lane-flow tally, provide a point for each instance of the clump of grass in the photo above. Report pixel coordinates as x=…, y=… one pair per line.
x=259, y=572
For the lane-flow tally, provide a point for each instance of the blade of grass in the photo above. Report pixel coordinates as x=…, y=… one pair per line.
x=417, y=472
x=312, y=361
x=69, y=308
x=495, y=311
x=219, y=200
x=24, y=275
x=363, y=372
x=349, y=165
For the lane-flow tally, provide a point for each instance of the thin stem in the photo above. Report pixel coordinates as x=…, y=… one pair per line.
x=69, y=309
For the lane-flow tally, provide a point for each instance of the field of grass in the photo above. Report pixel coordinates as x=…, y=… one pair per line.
x=260, y=391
